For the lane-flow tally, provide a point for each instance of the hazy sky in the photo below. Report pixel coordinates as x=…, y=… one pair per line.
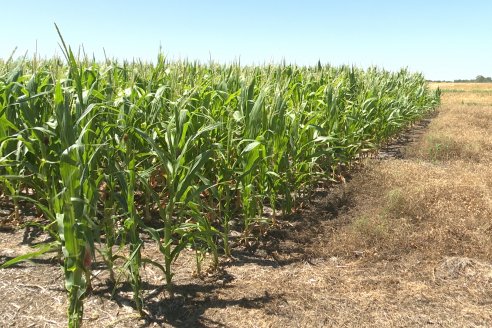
x=443, y=39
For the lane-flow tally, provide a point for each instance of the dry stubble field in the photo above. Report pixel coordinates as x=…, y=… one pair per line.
x=406, y=242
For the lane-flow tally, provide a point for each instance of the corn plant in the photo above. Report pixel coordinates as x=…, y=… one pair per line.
x=110, y=152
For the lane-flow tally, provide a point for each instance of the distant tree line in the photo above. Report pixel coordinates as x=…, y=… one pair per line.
x=478, y=79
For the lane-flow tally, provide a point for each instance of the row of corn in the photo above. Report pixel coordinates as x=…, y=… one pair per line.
x=175, y=152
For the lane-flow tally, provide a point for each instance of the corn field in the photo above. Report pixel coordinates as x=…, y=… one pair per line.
x=113, y=153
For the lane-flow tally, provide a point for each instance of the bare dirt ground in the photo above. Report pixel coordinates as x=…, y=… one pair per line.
x=405, y=242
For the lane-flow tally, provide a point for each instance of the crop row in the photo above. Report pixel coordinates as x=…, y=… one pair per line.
x=178, y=151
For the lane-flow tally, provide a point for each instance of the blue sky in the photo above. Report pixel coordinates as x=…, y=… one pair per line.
x=442, y=39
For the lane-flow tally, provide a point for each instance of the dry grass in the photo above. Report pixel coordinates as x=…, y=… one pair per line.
x=462, y=132
x=465, y=93
x=411, y=206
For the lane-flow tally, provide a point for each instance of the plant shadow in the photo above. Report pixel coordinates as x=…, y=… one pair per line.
x=187, y=307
